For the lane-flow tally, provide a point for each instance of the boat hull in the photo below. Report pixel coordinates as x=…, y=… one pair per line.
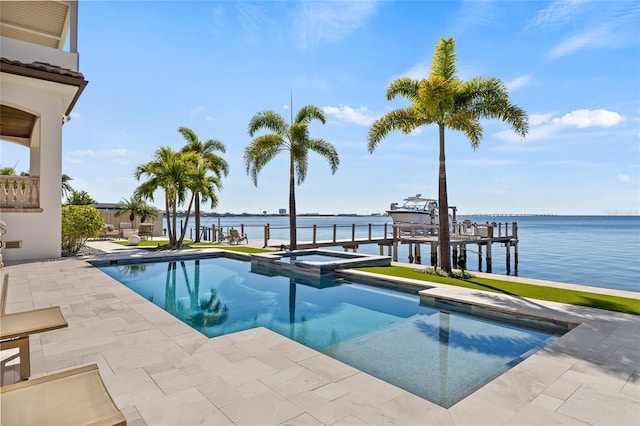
x=408, y=216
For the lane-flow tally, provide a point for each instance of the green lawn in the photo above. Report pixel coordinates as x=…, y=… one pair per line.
x=552, y=294
x=573, y=297
x=153, y=245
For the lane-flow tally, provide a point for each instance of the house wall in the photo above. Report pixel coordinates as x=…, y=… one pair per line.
x=38, y=229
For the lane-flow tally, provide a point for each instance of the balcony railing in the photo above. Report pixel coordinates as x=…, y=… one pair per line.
x=19, y=192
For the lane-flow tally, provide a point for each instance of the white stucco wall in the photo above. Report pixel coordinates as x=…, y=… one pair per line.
x=40, y=232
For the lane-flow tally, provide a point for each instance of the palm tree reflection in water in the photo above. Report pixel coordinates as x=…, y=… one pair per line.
x=199, y=312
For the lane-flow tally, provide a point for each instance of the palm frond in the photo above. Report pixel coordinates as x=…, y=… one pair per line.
x=405, y=87
x=401, y=119
x=308, y=113
x=444, y=59
x=260, y=151
x=269, y=120
x=326, y=150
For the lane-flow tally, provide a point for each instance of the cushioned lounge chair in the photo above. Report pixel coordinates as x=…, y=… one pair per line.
x=109, y=231
x=236, y=238
x=73, y=397
x=15, y=328
x=126, y=229
x=145, y=230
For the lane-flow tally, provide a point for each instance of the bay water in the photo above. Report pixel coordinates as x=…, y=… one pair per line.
x=598, y=251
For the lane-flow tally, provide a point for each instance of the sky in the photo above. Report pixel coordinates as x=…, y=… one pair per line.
x=153, y=66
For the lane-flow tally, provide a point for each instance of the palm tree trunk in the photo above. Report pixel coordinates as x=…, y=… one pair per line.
x=197, y=216
x=293, y=236
x=168, y=213
x=443, y=209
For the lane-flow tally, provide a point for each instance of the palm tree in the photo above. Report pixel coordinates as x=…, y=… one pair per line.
x=445, y=100
x=66, y=186
x=131, y=206
x=167, y=171
x=177, y=174
x=80, y=198
x=293, y=138
x=210, y=160
x=200, y=182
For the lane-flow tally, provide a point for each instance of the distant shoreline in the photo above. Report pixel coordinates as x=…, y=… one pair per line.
x=386, y=215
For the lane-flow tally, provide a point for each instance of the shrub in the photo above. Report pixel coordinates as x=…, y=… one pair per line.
x=79, y=223
x=430, y=270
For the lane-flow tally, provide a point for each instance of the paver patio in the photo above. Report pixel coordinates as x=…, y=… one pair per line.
x=162, y=372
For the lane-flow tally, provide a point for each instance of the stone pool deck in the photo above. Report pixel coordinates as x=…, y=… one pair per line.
x=159, y=371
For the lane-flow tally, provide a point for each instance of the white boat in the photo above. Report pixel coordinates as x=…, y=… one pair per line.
x=418, y=216
x=415, y=210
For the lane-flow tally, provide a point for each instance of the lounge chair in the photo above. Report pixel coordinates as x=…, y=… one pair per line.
x=15, y=328
x=145, y=230
x=73, y=397
x=109, y=231
x=236, y=238
x=222, y=237
x=126, y=229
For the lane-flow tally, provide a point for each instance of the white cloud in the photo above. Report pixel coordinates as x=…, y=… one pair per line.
x=611, y=26
x=584, y=118
x=419, y=71
x=624, y=178
x=285, y=106
x=319, y=22
x=361, y=116
x=597, y=37
x=83, y=153
x=538, y=119
x=114, y=155
x=545, y=126
x=519, y=82
x=557, y=12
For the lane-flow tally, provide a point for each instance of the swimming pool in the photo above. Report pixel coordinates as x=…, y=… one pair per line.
x=436, y=355
x=317, y=261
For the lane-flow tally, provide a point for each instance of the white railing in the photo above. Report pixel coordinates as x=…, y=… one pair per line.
x=19, y=191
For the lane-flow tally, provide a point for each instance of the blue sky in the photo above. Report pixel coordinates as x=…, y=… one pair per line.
x=574, y=66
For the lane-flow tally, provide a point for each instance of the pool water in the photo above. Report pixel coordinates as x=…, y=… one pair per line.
x=436, y=355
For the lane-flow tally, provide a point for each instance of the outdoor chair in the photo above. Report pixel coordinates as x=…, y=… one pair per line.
x=236, y=238
x=15, y=328
x=126, y=229
x=73, y=397
x=109, y=231
x=222, y=237
x=145, y=230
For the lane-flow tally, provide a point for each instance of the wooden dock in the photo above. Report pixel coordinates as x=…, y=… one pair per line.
x=390, y=236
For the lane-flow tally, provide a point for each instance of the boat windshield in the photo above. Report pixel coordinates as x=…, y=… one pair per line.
x=420, y=204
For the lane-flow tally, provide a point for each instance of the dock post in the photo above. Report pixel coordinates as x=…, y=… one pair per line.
x=434, y=255
x=266, y=235
x=454, y=256
x=508, y=254
x=334, y=232
x=479, y=258
x=515, y=257
x=418, y=255
x=489, y=244
x=394, y=235
x=410, y=252
x=314, y=232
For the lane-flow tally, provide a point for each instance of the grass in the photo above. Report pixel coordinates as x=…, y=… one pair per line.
x=154, y=245
x=552, y=294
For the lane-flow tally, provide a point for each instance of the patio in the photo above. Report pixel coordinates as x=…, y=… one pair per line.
x=159, y=371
